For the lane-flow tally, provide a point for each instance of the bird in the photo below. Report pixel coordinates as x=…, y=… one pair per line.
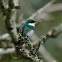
x=27, y=30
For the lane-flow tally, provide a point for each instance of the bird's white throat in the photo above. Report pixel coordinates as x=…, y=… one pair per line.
x=32, y=24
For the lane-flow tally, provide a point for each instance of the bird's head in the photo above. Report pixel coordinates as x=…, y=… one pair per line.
x=31, y=22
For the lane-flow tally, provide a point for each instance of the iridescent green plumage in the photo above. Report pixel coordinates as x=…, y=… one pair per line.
x=25, y=29
x=28, y=26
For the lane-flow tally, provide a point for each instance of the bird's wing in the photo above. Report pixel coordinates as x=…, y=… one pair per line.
x=22, y=30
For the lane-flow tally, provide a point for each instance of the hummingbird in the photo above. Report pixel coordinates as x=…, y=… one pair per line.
x=27, y=29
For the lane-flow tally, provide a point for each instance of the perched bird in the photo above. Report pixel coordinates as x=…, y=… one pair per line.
x=27, y=29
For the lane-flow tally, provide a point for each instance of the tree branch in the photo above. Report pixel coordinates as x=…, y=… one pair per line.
x=44, y=12
x=46, y=55
x=52, y=33
x=54, y=7
x=5, y=36
x=10, y=21
x=38, y=14
x=6, y=51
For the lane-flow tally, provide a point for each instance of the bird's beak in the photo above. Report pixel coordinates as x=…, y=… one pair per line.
x=36, y=20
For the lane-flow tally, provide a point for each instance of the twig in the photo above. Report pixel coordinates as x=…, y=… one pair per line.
x=43, y=52
x=6, y=51
x=16, y=4
x=37, y=14
x=46, y=55
x=43, y=13
x=2, y=9
x=32, y=53
x=5, y=36
x=54, y=7
x=26, y=54
x=55, y=31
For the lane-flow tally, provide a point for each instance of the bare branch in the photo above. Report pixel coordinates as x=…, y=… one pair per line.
x=10, y=21
x=16, y=4
x=6, y=51
x=46, y=55
x=5, y=36
x=11, y=27
x=2, y=9
x=43, y=13
x=38, y=14
x=52, y=33
x=55, y=31
x=54, y=7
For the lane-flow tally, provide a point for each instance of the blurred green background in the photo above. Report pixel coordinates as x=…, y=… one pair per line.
x=28, y=7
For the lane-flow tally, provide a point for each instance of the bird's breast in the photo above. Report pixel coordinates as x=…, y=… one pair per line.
x=30, y=33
